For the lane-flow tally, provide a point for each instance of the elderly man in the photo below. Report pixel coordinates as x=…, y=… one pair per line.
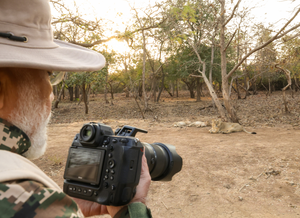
x=27, y=54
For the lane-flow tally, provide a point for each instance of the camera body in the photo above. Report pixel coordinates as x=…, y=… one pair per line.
x=103, y=167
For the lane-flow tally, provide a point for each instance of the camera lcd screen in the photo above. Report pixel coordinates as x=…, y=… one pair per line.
x=84, y=165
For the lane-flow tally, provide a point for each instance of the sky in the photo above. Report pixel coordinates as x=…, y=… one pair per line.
x=118, y=11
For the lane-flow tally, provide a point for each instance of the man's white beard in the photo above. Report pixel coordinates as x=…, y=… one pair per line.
x=32, y=118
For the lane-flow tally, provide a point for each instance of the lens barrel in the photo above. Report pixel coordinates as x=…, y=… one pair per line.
x=163, y=161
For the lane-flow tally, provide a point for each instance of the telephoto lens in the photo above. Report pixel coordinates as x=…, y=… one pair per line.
x=163, y=161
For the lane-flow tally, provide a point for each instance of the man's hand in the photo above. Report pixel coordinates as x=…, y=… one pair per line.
x=89, y=208
x=144, y=183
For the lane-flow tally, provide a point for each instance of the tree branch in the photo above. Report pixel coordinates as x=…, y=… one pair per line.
x=287, y=74
x=277, y=36
x=198, y=76
x=230, y=40
x=232, y=14
x=88, y=45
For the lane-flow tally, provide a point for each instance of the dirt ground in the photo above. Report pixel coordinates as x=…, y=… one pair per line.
x=234, y=175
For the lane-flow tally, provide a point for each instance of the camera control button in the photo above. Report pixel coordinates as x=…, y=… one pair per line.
x=112, y=172
x=113, y=187
x=70, y=188
x=111, y=148
x=95, y=193
x=106, y=185
x=79, y=189
x=124, y=140
x=107, y=170
x=84, y=191
x=105, y=177
x=110, y=155
x=89, y=192
x=114, y=140
x=111, y=178
x=74, y=189
x=111, y=163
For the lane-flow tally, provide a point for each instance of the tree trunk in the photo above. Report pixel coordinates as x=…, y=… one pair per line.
x=166, y=88
x=111, y=91
x=237, y=88
x=88, y=91
x=220, y=87
x=192, y=93
x=140, y=90
x=225, y=87
x=198, y=90
x=105, y=90
x=296, y=83
x=227, y=102
x=177, y=88
x=172, y=88
x=154, y=88
x=191, y=86
x=213, y=93
x=162, y=86
x=77, y=92
x=71, y=93
x=270, y=88
x=85, y=98
x=127, y=92
x=255, y=87
x=144, y=72
x=61, y=91
x=246, y=87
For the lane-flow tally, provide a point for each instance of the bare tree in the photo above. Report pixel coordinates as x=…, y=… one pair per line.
x=225, y=76
x=289, y=80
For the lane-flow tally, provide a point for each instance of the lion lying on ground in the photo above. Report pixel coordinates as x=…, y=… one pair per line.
x=197, y=124
x=223, y=127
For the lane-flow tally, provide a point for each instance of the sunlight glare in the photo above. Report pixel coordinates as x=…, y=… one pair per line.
x=118, y=46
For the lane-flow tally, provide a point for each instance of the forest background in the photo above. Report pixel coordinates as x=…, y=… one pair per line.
x=214, y=46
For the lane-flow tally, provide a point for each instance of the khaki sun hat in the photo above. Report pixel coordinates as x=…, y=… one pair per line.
x=26, y=40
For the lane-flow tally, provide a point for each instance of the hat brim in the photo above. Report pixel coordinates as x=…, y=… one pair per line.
x=65, y=57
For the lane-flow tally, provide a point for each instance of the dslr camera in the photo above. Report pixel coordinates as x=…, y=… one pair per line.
x=105, y=167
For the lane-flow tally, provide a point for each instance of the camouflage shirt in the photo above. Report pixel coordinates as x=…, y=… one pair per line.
x=27, y=198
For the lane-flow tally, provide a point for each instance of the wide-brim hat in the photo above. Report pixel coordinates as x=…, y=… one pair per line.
x=26, y=40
